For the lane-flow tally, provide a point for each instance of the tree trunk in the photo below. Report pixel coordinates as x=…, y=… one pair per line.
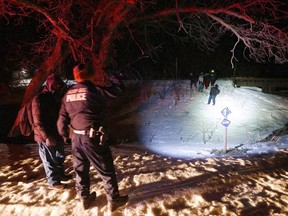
x=38, y=79
x=44, y=71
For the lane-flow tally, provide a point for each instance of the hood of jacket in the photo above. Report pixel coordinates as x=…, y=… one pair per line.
x=53, y=78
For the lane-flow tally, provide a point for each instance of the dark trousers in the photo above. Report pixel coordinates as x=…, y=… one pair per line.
x=86, y=151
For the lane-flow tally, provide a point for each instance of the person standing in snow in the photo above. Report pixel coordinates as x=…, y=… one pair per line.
x=206, y=80
x=201, y=82
x=214, y=91
x=83, y=110
x=212, y=77
x=45, y=110
x=193, y=80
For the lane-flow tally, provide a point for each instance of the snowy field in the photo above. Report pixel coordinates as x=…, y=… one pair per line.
x=176, y=166
x=177, y=122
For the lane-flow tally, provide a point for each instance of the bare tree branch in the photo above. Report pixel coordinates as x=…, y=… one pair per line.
x=90, y=28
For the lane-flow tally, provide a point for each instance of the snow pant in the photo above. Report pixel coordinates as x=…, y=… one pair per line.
x=52, y=158
x=212, y=97
x=86, y=151
x=200, y=86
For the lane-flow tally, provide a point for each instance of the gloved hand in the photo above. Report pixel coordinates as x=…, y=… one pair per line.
x=67, y=141
x=51, y=141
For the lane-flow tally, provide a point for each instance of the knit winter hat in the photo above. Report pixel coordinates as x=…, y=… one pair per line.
x=83, y=72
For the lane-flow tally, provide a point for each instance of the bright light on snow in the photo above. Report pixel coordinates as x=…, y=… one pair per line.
x=183, y=128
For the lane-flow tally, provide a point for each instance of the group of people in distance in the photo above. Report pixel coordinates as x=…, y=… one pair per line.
x=58, y=110
x=205, y=80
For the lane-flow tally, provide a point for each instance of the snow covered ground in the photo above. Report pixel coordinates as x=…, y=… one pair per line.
x=177, y=122
x=177, y=166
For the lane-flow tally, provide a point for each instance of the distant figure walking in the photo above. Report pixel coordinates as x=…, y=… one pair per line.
x=214, y=91
x=212, y=77
x=206, y=80
x=193, y=80
x=200, y=82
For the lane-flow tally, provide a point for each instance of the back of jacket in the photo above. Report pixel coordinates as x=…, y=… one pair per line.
x=214, y=91
x=84, y=106
x=45, y=111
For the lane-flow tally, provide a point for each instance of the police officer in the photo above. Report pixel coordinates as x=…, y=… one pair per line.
x=83, y=109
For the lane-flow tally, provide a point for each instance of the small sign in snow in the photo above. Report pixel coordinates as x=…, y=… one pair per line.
x=225, y=122
x=225, y=112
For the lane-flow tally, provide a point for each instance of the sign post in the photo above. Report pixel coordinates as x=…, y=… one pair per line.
x=225, y=122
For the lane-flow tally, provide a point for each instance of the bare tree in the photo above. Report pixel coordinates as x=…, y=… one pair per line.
x=87, y=29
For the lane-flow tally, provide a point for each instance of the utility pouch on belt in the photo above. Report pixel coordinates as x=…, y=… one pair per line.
x=98, y=133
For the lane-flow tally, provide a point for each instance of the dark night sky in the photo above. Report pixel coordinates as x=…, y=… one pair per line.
x=189, y=57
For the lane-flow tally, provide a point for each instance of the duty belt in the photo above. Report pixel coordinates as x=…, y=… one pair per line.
x=81, y=132
x=92, y=133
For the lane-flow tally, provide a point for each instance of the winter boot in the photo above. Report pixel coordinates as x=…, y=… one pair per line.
x=117, y=202
x=65, y=177
x=88, y=200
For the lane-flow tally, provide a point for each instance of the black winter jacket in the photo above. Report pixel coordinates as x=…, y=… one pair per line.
x=214, y=91
x=84, y=106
